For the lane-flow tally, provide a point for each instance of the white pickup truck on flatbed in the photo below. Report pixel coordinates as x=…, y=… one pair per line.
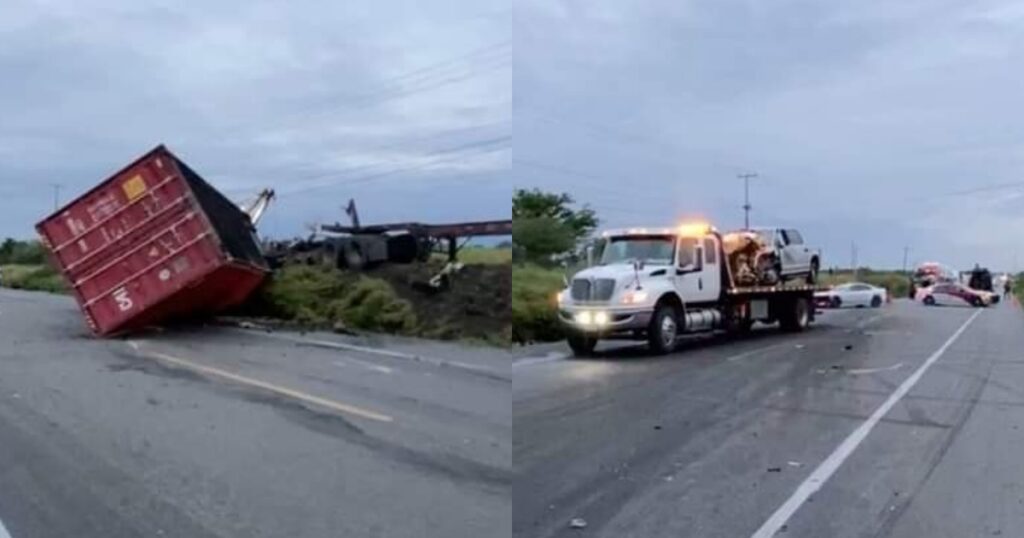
x=655, y=284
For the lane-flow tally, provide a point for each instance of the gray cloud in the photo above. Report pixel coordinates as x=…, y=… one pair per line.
x=857, y=115
x=402, y=105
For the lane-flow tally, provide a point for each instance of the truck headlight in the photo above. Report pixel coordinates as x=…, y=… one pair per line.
x=584, y=318
x=601, y=318
x=634, y=297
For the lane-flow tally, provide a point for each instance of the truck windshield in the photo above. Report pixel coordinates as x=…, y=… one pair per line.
x=653, y=249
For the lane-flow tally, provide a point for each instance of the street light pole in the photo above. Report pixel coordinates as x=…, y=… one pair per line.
x=746, y=198
x=56, y=195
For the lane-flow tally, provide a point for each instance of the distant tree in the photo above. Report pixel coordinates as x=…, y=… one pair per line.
x=539, y=204
x=22, y=252
x=7, y=250
x=541, y=237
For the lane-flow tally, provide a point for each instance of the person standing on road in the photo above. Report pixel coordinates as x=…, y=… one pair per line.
x=1007, y=288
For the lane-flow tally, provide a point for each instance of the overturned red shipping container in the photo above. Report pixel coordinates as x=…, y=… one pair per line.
x=152, y=243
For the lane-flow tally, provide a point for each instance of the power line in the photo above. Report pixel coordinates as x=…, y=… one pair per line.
x=393, y=87
x=648, y=141
x=474, y=145
x=403, y=144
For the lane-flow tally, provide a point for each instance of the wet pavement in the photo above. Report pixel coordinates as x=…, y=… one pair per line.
x=716, y=439
x=218, y=432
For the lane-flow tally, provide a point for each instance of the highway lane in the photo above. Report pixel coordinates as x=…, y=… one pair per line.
x=218, y=432
x=714, y=440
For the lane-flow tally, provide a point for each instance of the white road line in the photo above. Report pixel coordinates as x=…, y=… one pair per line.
x=865, y=322
x=335, y=405
x=369, y=365
x=746, y=354
x=378, y=351
x=859, y=371
x=824, y=471
x=554, y=356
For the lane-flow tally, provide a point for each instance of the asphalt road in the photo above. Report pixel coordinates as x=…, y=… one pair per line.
x=904, y=421
x=219, y=432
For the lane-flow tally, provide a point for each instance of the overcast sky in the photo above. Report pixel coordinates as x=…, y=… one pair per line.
x=861, y=118
x=403, y=105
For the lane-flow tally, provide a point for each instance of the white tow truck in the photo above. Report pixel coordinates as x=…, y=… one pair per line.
x=656, y=284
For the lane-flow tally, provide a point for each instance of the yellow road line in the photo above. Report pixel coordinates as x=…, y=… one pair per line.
x=283, y=391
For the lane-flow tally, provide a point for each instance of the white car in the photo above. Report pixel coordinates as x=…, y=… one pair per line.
x=851, y=294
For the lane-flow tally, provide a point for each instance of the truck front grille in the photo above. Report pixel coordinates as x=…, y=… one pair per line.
x=599, y=289
x=580, y=289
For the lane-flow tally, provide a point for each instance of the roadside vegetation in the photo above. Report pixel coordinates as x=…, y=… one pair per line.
x=324, y=297
x=482, y=255
x=534, y=308
x=23, y=266
x=546, y=230
x=392, y=299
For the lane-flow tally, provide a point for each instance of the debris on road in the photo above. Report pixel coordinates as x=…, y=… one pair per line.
x=848, y=347
x=578, y=523
x=775, y=469
x=794, y=464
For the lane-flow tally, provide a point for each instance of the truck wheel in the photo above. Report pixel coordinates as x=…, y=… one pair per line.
x=581, y=344
x=796, y=316
x=836, y=302
x=661, y=336
x=929, y=300
x=812, y=276
x=876, y=301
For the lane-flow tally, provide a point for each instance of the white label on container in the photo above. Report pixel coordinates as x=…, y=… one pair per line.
x=124, y=302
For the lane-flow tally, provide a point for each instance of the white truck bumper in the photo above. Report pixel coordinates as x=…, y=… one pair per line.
x=598, y=319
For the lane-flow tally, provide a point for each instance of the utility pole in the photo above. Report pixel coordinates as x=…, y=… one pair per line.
x=853, y=258
x=746, y=198
x=56, y=195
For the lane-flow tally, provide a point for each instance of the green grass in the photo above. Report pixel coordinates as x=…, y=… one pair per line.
x=481, y=256
x=33, y=277
x=326, y=297
x=534, y=307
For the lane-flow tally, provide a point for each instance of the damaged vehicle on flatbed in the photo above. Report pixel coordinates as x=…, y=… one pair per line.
x=656, y=284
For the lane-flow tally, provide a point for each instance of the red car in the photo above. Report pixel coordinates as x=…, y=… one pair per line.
x=954, y=294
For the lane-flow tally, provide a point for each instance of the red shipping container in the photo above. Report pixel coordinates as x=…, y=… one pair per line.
x=152, y=243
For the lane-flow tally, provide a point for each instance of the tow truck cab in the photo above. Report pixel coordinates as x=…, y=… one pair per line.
x=655, y=284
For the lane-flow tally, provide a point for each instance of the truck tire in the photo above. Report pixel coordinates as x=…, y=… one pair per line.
x=876, y=301
x=929, y=300
x=581, y=344
x=664, y=329
x=796, y=316
x=812, y=276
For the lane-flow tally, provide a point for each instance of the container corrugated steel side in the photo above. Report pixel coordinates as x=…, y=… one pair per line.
x=151, y=243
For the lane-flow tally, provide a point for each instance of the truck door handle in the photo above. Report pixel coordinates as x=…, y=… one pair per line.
x=700, y=283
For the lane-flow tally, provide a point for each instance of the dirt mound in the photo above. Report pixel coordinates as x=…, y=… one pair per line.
x=477, y=304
